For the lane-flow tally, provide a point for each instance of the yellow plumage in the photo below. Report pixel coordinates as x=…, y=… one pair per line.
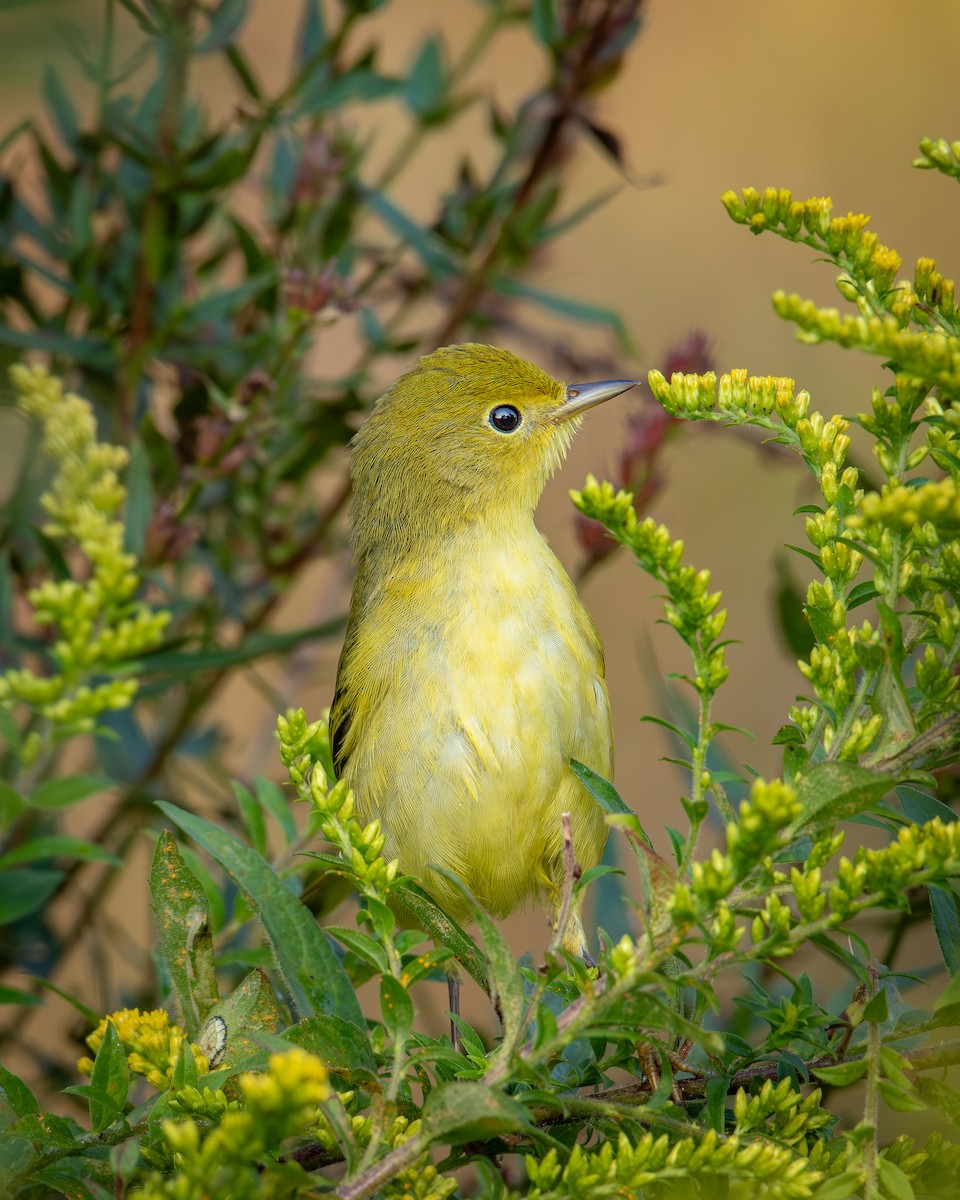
x=471, y=673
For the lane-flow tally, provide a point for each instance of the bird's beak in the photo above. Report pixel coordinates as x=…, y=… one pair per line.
x=581, y=396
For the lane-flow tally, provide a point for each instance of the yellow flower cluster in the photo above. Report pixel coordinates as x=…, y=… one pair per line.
x=101, y=627
x=151, y=1043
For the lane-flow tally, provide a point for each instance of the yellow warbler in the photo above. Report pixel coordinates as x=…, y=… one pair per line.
x=471, y=673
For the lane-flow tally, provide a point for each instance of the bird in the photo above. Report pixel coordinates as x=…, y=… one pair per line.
x=471, y=673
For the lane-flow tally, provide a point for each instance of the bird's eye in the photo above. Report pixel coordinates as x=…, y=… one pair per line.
x=505, y=418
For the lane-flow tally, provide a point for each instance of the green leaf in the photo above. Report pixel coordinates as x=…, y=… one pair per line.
x=60, y=106
x=843, y=1074
x=569, y=306
x=876, y=1010
x=184, y=939
x=366, y=948
x=834, y=791
x=950, y=994
x=12, y=995
x=543, y=19
x=58, y=846
x=16, y=1099
x=138, y=510
x=899, y=1100
x=54, y=794
x=425, y=85
x=305, y=957
x=461, y=1111
x=338, y=1043
x=946, y=923
x=433, y=920
x=425, y=244
x=252, y=816
x=16, y=1154
x=110, y=1079
x=225, y=22
x=273, y=799
x=920, y=806
x=606, y=795
x=396, y=1008
x=185, y=1073
x=506, y=982
x=25, y=889
x=232, y=1030
x=312, y=35
x=256, y=645
x=716, y=1094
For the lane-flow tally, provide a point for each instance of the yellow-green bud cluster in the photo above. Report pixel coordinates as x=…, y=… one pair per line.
x=625, y=1167
x=691, y=608
x=937, y=154
x=779, y=1111
x=222, y=1159
x=933, y=290
x=920, y=854
x=771, y=808
x=101, y=628
x=303, y=750
x=420, y=1180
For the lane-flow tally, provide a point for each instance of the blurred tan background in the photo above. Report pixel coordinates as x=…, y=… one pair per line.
x=821, y=97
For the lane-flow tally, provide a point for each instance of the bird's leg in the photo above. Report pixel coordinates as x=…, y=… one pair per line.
x=453, y=991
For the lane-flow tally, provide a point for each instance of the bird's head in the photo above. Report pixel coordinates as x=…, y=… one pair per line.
x=470, y=430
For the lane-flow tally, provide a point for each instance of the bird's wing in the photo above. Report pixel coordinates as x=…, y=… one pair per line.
x=340, y=717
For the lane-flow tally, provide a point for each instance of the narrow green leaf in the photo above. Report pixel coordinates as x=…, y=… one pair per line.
x=606, y=795
x=876, y=1010
x=185, y=1073
x=305, y=957
x=16, y=1099
x=55, y=794
x=225, y=22
x=396, y=1008
x=366, y=948
x=946, y=923
x=434, y=921
x=312, y=35
x=423, y=242
x=274, y=800
x=716, y=1092
x=184, y=938
x=58, y=846
x=252, y=816
x=12, y=995
x=256, y=645
x=111, y=1078
x=543, y=18
x=569, y=306
x=426, y=85
x=506, y=982
x=60, y=106
x=842, y=1074
x=138, y=510
x=25, y=889
x=950, y=994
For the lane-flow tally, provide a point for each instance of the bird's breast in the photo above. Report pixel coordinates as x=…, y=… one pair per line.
x=482, y=675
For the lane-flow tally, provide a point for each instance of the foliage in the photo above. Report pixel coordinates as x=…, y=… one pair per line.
x=178, y=267
x=261, y=1074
